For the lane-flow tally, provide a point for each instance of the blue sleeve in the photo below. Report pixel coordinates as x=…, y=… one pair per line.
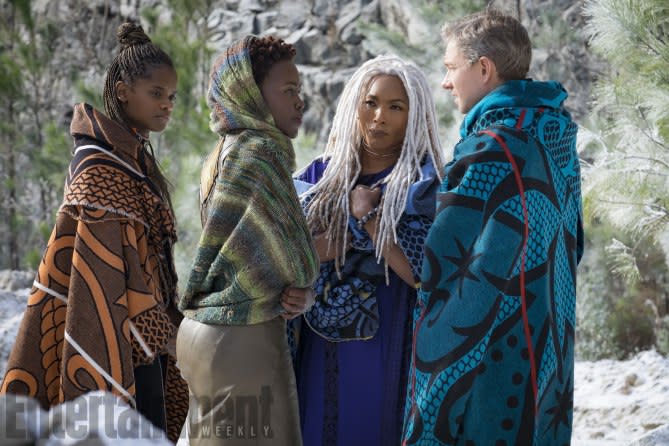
x=411, y=234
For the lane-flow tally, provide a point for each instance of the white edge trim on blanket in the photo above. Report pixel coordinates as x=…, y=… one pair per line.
x=133, y=329
x=99, y=369
x=139, y=338
x=49, y=291
x=91, y=146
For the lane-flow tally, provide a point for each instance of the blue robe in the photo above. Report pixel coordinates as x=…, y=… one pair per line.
x=494, y=323
x=354, y=345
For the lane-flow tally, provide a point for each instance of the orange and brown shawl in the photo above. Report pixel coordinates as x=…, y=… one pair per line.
x=103, y=298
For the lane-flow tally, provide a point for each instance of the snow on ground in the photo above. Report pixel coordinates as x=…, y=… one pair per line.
x=12, y=305
x=615, y=402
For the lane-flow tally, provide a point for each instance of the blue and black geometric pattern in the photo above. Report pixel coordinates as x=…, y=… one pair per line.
x=346, y=306
x=494, y=327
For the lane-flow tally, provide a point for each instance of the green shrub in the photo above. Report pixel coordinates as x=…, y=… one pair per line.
x=620, y=314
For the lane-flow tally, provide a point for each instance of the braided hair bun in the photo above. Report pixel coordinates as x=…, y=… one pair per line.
x=137, y=59
x=129, y=34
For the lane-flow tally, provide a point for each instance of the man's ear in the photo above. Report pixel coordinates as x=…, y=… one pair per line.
x=121, y=89
x=488, y=70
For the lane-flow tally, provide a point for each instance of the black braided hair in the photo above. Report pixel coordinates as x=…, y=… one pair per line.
x=137, y=59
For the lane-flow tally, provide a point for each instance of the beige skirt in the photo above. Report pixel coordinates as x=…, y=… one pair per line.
x=241, y=382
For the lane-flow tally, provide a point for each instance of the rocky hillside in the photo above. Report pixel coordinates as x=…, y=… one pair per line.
x=332, y=37
x=335, y=36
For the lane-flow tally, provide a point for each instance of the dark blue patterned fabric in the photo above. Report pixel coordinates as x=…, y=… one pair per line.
x=346, y=307
x=494, y=324
x=353, y=393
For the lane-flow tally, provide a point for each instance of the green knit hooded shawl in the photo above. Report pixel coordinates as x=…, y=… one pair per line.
x=255, y=240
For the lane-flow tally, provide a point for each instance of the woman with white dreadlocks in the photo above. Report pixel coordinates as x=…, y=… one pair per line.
x=369, y=203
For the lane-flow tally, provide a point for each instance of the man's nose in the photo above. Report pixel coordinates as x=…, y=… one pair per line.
x=446, y=83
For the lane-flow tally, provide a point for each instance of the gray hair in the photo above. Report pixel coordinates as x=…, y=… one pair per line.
x=328, y=211
x=495, y=35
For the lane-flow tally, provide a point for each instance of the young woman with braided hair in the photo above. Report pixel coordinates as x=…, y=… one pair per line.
x=255, y=263
x=102, y=308
x=369, y=204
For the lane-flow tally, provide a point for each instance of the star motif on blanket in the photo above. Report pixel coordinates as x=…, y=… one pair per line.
x=464, y=263
x=560, y=412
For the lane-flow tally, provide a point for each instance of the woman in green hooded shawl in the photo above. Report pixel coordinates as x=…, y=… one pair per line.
x=255, y=261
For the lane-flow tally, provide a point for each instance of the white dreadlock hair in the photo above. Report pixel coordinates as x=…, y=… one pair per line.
x=329, y=208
